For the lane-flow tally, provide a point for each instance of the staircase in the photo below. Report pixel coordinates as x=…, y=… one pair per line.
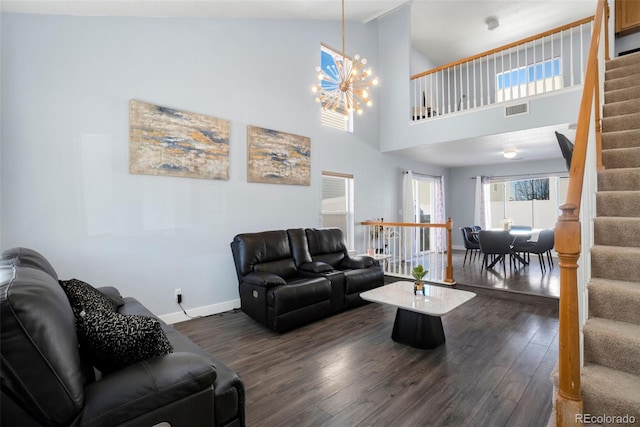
x=611, y=373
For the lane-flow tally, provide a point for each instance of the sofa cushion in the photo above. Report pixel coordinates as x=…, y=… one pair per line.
x=299, y=294
x=116, y=340
x=40, y=359
x=327, y=245
x=267, y=248
x=84, y=297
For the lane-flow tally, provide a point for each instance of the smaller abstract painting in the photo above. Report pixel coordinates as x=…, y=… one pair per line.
x=164, y=141
x=278, y=157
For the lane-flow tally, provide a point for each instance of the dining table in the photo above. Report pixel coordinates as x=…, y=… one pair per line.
x=532, y=235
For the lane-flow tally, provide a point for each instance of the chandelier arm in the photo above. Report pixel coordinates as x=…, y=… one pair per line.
x=343, y=49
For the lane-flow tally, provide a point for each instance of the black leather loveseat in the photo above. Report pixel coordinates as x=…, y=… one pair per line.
x=48, y=380
x=288, y=278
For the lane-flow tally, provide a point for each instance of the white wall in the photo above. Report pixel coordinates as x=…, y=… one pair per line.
x=66, y=190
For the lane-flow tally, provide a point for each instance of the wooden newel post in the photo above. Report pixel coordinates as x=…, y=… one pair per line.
x=567, y=245
x=449, y=279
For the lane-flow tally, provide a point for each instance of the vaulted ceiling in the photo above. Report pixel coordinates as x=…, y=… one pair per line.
x=442, y=30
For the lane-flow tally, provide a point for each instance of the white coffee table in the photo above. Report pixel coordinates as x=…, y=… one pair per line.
x=418, y=321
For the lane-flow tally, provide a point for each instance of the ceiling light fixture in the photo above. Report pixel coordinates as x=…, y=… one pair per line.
x=509, y=153
x=492, y=23
x=345, y=86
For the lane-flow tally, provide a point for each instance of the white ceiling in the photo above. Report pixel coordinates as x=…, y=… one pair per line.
x=530, y=145
x=443, y=30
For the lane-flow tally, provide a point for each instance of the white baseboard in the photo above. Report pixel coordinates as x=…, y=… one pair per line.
x=206, y=310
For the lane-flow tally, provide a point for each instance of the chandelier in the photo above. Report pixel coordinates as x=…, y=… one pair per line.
x=344, y=86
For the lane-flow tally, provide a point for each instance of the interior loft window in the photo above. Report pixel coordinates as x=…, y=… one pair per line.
x=532, y=79
x=328, y=116
x=337, y=204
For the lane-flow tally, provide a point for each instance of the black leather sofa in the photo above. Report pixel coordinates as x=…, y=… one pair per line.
x=47, y=380
x=288, y=278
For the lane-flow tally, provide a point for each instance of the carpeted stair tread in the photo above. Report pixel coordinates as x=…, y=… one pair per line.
x=615, y=300
x=621, y=157
x=625, y=122
x=617, y=95
x=618, y=203
x=615, y=263
x=619, y=108
x=616, y=231
x=621, y=83
x=622, y=61
x=613, y=344
x=611, y=392
x=627, y=70
x=621, y=139
x=610, y=380
x=622, y=179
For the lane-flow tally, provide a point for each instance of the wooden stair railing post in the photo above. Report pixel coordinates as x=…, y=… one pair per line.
x=567, y=237
x=449, y=279
x=569, y=403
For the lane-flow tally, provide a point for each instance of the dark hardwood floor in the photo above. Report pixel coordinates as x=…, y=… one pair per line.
x=524, y=281
x=493, y=369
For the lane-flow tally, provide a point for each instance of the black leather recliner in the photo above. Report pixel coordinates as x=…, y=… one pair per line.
x=285, y=282
x=46, y=381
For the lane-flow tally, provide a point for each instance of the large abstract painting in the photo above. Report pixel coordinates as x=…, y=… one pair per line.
x=278, y=157
x=164, y=141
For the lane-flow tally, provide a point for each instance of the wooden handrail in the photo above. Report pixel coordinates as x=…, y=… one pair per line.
x=404, y=224
x=502, y=48
x=569, y=402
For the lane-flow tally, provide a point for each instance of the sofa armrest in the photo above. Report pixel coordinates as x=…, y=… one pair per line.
x=145, y=386
x=362, y=261
x=262, y=278
x=315, y=267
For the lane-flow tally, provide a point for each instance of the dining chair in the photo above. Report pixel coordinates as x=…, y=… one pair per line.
x=541, y=248
x=470, y=244
x=496, y=243
x=524, y=233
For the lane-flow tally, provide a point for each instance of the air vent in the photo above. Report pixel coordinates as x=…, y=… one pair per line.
x=513, y=110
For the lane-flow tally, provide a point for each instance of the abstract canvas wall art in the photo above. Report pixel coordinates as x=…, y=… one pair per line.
x=165, y=141
x=278, y=157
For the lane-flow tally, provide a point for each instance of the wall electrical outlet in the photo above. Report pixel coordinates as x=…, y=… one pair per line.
x=178, y=295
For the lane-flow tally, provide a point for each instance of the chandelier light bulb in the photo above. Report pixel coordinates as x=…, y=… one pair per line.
x=365, y=94
x=369, y=103
x=375, y=82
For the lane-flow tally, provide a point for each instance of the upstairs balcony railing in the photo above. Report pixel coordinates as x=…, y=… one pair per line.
x=400, y=246
x=546, y=62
